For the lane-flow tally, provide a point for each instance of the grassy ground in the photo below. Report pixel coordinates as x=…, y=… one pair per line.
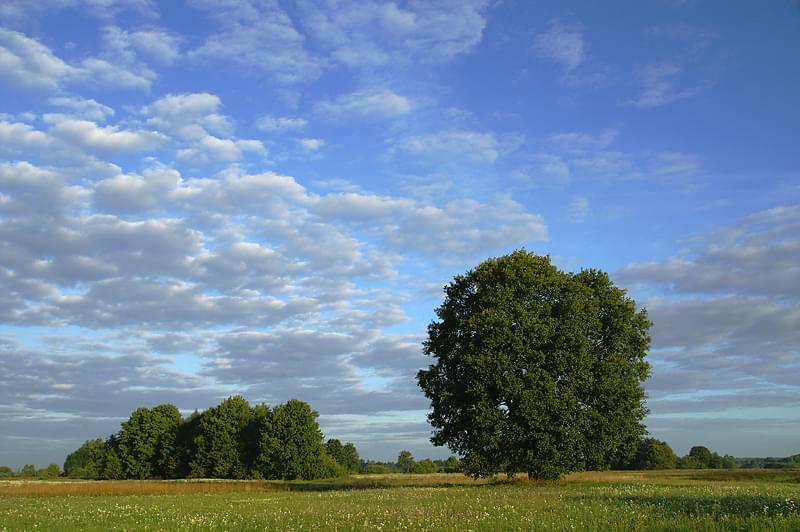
x=673, y=500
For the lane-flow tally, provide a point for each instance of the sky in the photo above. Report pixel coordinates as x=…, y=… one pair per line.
x=202, y=198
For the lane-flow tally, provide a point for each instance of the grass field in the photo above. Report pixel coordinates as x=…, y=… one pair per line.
x=665, y=500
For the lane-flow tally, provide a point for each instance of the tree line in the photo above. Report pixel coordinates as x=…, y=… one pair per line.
x=656, y=454
x=232, y=440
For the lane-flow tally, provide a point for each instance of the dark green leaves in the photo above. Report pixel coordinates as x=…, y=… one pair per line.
x=536, y=370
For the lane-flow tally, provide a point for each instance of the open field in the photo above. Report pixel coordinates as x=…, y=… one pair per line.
x=664, y=500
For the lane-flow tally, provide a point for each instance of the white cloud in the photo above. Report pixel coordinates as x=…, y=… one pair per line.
x=107, y=73
x=30, y=65
x=311, y=144
x=727, y=318
x=562, y=45
x=270, y=123
x=154, y=43
x=88, y=109
x=190, y=116
x=260, y=38
x=370, y=34
x=585, y=156
x=105, y=139
x=366, y=104
x=27, y=63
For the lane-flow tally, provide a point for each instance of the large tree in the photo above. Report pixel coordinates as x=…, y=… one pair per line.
x=536, y=370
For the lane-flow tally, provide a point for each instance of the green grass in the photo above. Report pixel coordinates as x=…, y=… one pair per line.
x=674, y=500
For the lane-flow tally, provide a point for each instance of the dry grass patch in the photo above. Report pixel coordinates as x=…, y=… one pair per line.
x=133, y=487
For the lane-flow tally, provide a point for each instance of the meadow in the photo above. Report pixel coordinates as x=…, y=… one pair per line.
x=658, y=500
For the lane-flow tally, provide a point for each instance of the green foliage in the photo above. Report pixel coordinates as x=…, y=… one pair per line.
x=536, y=369
x=405, y=462
x=221, y=451
x=701, y=457
x=6, y=472
x=375, y=468
x=663, y=501
x=425, y=466
x=50, y=472
x=345, y=455
x=291, y=445
x=87, y=461
x=231, y=440
x=112, y=468
x=146, y=443
x=653, y=454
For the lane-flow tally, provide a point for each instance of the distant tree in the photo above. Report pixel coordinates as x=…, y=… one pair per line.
x=6, y=472
x=87, y=461
x=405, y=462
x=27, y=471
x=653, y=454
x=690, y=462
x=291, y=447
x=345, y=455
x=451, y=465
x=729, y=462
x=535, y=369
x=425, y=466
x=220, y=449
x=350, y=459
x=371, y=467
x=50, y=472
x=701, y=454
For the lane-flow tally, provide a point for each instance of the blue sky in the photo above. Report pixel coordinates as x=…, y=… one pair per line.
x=200, y=198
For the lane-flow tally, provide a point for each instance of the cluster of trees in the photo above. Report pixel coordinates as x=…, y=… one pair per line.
x=536, y=369
x=656, y=454
x=231, y=440
x=790, y=462
x=406, y=464
x=30, y=471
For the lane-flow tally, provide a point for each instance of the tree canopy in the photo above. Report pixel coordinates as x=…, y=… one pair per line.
x=536, y=370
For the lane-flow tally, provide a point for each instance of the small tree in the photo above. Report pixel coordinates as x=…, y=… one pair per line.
x=653, y=454
x=405, y=462
x=536, y=369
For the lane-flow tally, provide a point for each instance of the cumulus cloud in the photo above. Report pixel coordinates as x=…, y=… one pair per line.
x=190, y=116
x=29, y=64
x=26, y=63
x=84, y=108
x=104, y=139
